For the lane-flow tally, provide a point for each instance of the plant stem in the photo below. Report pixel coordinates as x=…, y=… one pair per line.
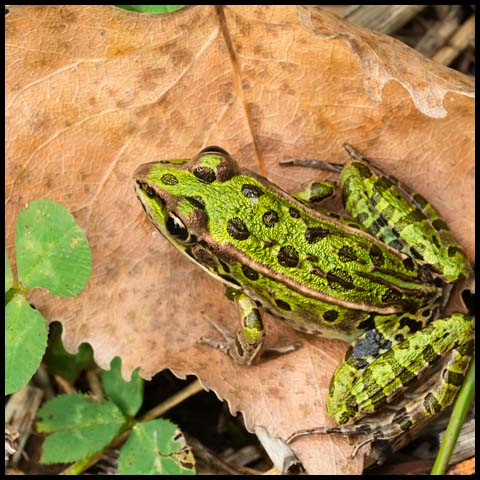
x=456, y=421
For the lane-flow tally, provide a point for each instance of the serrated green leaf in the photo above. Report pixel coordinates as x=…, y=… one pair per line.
x=25, y=343
x=8, y=275
x=156, y=448
x=126, y=395
x=151, y=8
x=62, y=363
x=79, y=427
x=52, y=250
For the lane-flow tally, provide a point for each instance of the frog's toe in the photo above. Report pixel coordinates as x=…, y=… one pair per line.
x=222, y=346
x=220, y=328
x=273, y=352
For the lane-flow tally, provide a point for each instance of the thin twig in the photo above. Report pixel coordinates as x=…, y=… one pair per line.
x=169, y=403
x=439, y=33
x=65, y=386
x=458, y=42
x=94, y=384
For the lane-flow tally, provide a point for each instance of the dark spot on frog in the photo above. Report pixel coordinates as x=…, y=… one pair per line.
x=416, y=253
x=287, y=256
x=370, y=344
x=397, y=244
x=205, y=174
x=251, y=191
x=439, y=224
x=368, y=323
x=429, y=354
x=225, y=267
x=391, y=296
x=313, y=235
x=169, y=179
x=419, y=201
x=435, y=241
x=431, y=404
x=377, y=225
x=237, y=229
x=412, y=324
x=376, y=255
x=230, y=279
x=363, y=169
x=452, y=251
x=294, y=213
x=452, y=378
x=270, y=218
x=330, y=315
x=197, y=202
x=347, y=254
x=282, y=304
x=409, y=264
x=269, y=243
x=339, y=279
x=249, y=273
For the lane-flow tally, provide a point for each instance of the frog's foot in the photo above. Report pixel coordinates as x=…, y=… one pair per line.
x=274, y=352
x=246, y=347
x=349, y=430
x=318, y=164
x=222, y=346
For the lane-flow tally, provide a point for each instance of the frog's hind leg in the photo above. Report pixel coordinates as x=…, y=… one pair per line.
x=401, y=218
x=386, y=333
x=448, y=341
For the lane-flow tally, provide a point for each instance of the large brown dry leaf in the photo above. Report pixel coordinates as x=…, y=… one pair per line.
x=93, y=91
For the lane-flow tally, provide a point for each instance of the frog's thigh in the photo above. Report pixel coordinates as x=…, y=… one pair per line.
x=388, y=331
x=388, y=374
x=427, y=401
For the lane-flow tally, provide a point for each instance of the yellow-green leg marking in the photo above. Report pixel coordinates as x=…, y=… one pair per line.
x=448, y=341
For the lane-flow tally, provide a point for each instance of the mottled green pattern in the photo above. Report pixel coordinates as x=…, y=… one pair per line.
x=362, y=283
x=325, y=274
x=402, y=219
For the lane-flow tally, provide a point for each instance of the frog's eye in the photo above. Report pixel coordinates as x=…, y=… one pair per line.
x=176, y=228
x=213, y=163
x=214, y=149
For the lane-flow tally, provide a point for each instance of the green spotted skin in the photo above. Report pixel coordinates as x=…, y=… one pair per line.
x=402, y=219
x=376, y=281
x=401, y=363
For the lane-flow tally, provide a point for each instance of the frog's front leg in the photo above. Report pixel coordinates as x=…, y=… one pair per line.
x=247, y=344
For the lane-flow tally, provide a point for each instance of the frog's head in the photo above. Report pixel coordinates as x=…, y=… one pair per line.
x=176, y=193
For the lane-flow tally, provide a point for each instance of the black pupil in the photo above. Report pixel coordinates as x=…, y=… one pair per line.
x=176, y=228
x=214, y=149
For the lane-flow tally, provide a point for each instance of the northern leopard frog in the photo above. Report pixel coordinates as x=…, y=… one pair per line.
x=377, y=281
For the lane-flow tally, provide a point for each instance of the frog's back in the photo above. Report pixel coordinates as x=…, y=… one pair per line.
x=262, y=227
